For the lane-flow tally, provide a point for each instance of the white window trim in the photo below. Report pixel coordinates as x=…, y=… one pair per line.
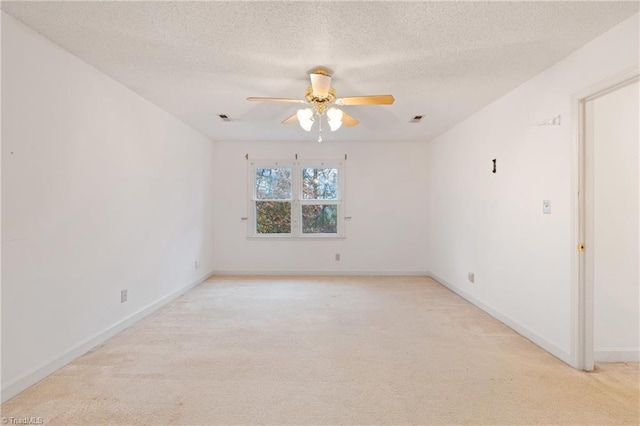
x=296, y=201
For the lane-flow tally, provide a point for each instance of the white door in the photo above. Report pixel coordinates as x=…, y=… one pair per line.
x=613, y=222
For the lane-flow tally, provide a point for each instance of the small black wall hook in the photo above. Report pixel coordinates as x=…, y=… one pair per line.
x=494, y=165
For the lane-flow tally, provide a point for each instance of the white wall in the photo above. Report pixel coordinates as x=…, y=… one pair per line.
x=101, y=191
x=492, y=224
x=385, y=196
x=615, y=216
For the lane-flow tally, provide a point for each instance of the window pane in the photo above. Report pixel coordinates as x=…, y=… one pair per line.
x=320, y=219
x=273, y=217
x=319, y=184
x=273, y=183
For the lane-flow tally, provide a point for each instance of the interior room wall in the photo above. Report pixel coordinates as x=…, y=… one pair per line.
x=101, y=191
x=492, y=224
x=616, y=282
x=385, y=197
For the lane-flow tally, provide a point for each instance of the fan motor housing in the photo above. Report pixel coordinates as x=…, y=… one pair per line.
x=320, y=103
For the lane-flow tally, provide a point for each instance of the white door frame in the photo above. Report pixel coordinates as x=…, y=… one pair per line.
x=582, y=343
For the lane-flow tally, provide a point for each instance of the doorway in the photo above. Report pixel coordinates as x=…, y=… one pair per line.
x=609, y=285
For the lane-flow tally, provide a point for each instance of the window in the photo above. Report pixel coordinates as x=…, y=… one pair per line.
x=296, y=199
x=273, y=200
x=319, y=200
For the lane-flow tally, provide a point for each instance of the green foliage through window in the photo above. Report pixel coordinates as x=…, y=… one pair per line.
x=320, y=219
x=273, y=217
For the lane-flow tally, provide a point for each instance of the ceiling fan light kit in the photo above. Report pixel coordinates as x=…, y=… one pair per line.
x=321, y=97
x=334, y=117
x=305, y=118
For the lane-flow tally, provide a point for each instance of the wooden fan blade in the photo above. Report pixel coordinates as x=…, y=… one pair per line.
x=348, y=120
x=320, y=84
x=297, y=101
x=291, y=119
x=366, y=100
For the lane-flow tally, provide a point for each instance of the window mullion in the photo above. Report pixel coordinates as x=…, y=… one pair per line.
x=297, y=195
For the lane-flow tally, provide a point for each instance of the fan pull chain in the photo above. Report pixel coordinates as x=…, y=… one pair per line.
x=319, y=128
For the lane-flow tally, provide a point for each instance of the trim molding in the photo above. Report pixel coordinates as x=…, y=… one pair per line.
x=509, y=322
x=324, y=273
x=36, y=374
x=616, y=355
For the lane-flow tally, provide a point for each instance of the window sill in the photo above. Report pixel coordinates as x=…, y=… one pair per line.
x=291, y=238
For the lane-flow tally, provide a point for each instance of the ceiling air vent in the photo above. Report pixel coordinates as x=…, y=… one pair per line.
x=416, y=118
x=224, y=117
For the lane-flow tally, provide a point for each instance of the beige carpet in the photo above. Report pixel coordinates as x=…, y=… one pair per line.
x=347, y=350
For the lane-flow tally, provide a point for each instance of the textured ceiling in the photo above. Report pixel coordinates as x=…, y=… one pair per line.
x=443, y=60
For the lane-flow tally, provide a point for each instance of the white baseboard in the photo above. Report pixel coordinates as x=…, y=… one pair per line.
x=33, y=376
x=616, y=355
x=509, y=322
x=324, y=273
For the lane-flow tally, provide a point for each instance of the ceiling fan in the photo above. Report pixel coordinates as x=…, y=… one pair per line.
x=322, y=97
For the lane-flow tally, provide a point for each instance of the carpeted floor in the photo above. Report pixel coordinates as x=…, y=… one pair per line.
x=326, y=351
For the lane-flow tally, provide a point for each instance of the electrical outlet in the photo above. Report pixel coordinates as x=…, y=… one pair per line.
x=472, y=277
x=337, y=257
x=123, y=295
x=197, y=264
